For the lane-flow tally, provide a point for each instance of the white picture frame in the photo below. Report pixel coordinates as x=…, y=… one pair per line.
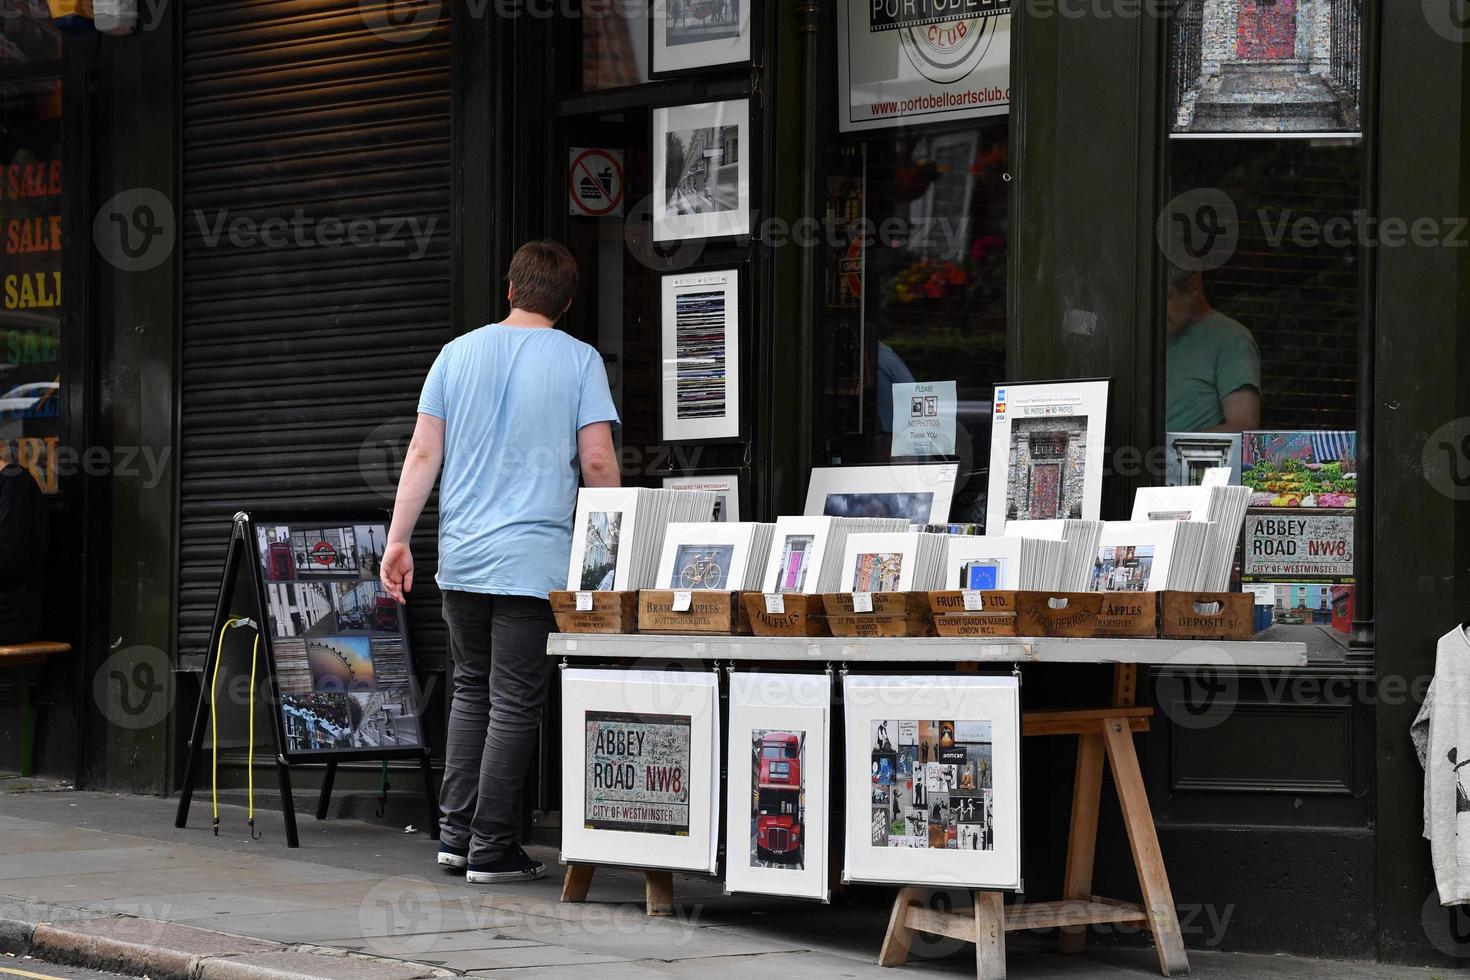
x=678, y=47
x=1041, y=434
x=1001, y=553
x=615, y=817
x=727, y=547
x=700, y=352
x=763, y=709
x=811, y=535
x=922, y=492
x=710, y=197
x=904, y=705
x=597, y=541
x=725, y=486
x=878, y=554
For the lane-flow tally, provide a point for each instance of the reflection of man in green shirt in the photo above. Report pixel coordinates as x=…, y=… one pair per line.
x=1214, y=367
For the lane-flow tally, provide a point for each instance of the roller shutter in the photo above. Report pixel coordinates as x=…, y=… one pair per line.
x=304, y=350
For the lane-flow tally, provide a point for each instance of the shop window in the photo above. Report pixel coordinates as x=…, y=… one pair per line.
x=1264, y=292
x=914, y=290
x=30, y=186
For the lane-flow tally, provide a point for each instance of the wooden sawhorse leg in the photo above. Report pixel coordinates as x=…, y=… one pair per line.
x=658, y=888
x=985, y=927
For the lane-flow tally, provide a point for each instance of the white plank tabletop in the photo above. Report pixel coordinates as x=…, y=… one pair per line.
x=827, y=649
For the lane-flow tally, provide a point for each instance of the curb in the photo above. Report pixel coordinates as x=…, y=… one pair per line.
x=162, y=950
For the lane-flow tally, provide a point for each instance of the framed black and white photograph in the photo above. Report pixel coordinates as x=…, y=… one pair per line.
x=701, y=356
x=701, y=171
x=691, y=35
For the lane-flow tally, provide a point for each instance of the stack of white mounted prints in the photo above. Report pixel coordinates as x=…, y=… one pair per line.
x=1072, y=570
x=712, y=555
x=986, y=563
x=1223, y=507
x=807, y=552
x=618, y=537
x=1149, y=556
x=903, y=562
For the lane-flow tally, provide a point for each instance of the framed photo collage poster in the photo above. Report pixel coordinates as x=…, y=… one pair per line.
x=337, y=642
x=931, y=778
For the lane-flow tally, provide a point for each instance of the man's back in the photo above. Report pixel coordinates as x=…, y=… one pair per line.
x=513, y=400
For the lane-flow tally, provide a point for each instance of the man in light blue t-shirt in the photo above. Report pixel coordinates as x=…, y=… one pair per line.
x=515, y=412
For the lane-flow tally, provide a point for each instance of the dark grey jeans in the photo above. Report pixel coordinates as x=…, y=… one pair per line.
x=501, y=672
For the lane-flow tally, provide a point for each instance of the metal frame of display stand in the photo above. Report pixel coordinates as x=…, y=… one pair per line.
x=1105, y=738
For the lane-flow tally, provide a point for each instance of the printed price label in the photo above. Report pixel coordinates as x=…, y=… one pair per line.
x=862, y=602
x=974, y=600
x=775, y=604
x=584, y=602
x=683, y=600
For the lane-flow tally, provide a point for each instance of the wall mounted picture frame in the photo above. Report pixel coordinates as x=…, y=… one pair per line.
x=687, y=36
x=725, y=487
x=700, y=352
x=1047, y=448
x=701, y=171
x=933, y=787
x=920, y=493
x=641, y=773
x=779, y=767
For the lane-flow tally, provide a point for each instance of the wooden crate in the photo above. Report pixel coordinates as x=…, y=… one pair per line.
x=1128, y=614
x=611, y=612
x=991, y=600
x=1207, y=615
x=975, y=624
x=710, y=611
x=894, y=614
x=799, y=615
x=1057, y=613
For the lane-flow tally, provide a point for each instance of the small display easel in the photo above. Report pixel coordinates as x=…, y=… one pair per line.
x=1103, y=733
x=329, y=542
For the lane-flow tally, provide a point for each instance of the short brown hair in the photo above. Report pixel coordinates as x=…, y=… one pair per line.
x=544, y=278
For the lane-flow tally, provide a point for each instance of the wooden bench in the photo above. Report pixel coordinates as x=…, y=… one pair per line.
x=28, y=655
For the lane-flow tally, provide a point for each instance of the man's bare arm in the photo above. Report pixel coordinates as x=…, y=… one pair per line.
x=1242, y=408
x=599, y=460
x=420, y=470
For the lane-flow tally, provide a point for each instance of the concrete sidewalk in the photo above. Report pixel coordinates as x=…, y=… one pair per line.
x=106, y=881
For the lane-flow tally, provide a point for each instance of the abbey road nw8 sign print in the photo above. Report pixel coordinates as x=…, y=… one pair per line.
x=646, y=791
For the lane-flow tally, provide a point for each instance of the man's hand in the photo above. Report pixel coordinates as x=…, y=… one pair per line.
x=397, y=571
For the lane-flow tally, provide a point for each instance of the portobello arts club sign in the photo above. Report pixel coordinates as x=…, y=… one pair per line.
x=922, y=61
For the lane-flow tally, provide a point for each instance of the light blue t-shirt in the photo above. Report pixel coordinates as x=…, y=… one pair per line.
x=512, y=400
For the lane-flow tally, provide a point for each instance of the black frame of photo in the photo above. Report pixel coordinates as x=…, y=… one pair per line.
x=243, y=547
x=755, y=27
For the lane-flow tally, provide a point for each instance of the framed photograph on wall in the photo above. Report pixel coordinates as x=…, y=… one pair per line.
x=933, y=781
x=700, y=349
x=1047, y=448
x=691, y=35
x=921, y=494
x=725, y=487
x=641, y=773
x=778, y=766
x=701, y=171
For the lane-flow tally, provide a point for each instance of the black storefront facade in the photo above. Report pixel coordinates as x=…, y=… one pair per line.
x=277, y=360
